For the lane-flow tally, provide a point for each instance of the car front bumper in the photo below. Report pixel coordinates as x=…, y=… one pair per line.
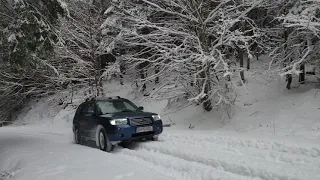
x=128, y=133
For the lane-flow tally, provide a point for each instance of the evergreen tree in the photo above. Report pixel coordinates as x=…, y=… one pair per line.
x=28, y=30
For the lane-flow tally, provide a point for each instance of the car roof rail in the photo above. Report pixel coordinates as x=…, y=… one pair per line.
x=92, y=98
x=115, y=97
x=107, y=98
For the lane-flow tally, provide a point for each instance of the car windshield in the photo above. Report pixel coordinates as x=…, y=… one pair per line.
x=115, y=106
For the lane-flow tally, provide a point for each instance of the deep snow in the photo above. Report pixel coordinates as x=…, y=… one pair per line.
x=272, y=134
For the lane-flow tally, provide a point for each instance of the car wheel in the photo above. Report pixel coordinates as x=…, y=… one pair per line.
x=77, y=137
x=104, y=143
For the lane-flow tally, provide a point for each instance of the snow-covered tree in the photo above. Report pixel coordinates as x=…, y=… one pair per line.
x=27, y=39
x=85, y=45
x=300, y=28
x=28, y=29
x=188, y=44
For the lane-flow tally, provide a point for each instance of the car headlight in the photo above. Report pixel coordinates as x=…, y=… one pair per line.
x=156, y=117
x=118, y=122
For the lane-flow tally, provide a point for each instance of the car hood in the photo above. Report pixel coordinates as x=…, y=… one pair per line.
x=128, y=115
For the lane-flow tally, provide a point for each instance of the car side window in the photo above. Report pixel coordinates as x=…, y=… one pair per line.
x=84, y=109
x=88, y=109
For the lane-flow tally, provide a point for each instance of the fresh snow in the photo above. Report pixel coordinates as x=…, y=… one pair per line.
x=272, y=134
x=221, y=157
x=12, y=38
x=38, y=153
x=31, y=154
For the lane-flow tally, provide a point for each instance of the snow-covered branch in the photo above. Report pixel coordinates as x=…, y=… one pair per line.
x=301, y=31
x=185, y=42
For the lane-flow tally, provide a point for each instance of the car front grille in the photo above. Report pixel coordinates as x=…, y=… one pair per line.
x=141, y=121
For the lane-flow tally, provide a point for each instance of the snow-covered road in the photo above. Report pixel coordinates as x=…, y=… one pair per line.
x=34, y=153
x=221, y=157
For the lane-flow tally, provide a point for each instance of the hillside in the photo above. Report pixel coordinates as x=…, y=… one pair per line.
x=263, y=106
x=232, y=88
x=273, y=134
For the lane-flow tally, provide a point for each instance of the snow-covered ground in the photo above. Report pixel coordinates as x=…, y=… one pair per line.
x=29, y=153
x=35, y=154
x=185, y=155
x=273, y=134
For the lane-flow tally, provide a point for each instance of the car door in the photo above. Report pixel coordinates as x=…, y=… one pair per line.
x=77, y=116
x=89, y=120
x=83, y=119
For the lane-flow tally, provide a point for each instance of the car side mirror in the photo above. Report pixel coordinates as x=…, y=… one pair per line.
x=141, y=108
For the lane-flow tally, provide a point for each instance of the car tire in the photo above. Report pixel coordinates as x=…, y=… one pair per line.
x=104, y=142
x=77, y=136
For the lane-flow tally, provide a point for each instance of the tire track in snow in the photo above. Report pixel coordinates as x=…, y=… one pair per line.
x=305, y=150
x=233, y=163
x=264, y=154
x=177, y=168
x=40, y=134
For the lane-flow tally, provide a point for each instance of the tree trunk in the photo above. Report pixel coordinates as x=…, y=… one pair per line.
x=289, y=76
x=240, y=55
x=72, y=89
x=157, y=70
x=302, y=78
x=248, y=63
x=289, y=81
x=101, y=88
x=142, y=76
x=207, y=105
x=97, y=83
x=122, y=72
x=191, y=81
x=99, y=71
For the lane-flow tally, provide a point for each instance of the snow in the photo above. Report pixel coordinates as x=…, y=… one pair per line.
x=228, y=157
x=110, y=21
x=64, y=7
x=272, y=133
x=270, y=108
x=37, y=153
x=12, y=38
x=26, y=153
x=109, y=10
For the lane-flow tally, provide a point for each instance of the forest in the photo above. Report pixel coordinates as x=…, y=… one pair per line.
x=192, y=51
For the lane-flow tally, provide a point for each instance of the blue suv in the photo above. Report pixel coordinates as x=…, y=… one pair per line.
x=109, y=121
